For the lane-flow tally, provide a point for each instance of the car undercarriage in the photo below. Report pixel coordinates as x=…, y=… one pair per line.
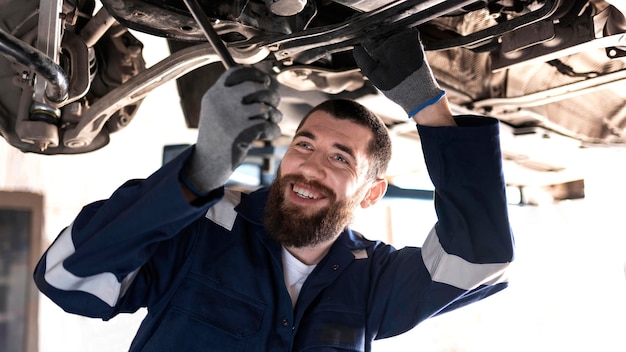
x=552, y=71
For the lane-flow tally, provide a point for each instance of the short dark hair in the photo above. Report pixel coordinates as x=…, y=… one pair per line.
x=379, y=148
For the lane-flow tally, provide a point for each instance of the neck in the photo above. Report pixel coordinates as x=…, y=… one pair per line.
x=311, y=255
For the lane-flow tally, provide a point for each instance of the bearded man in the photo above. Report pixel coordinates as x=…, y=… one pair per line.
x=279, y=269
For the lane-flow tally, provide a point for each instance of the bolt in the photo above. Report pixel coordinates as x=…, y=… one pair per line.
x=41, y=145
x=77, y=142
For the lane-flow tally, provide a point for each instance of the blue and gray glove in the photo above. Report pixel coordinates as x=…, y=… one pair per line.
x=397, y=66
x=238, y=109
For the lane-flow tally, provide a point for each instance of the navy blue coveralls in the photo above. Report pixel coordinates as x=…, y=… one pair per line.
x=212, y=280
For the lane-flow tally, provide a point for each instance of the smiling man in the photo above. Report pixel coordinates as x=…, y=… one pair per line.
x=279, y=269
x=325, y=175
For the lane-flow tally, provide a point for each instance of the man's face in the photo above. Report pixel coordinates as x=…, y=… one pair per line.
x=321, y=180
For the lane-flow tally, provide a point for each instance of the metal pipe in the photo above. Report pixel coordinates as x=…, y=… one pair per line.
x=15, y=49
x=495, y=31
x=49, y=43
x=172, y=67
x=210, y=33
x=571, y=90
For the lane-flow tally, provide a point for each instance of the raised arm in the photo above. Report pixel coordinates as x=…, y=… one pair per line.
x=123, y=253
x=467, y=253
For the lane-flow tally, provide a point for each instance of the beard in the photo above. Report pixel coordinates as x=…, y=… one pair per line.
x=290, y=225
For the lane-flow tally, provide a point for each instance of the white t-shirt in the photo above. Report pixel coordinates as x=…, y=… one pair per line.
x=295, y=273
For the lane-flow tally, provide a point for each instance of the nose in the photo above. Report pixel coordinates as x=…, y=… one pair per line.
x=312, y=167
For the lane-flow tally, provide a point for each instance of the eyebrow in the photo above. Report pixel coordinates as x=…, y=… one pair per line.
x=342, y=147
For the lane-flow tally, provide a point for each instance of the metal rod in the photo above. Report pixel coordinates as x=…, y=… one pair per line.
x=58, y=83
x=210, y=33
x=49, y=35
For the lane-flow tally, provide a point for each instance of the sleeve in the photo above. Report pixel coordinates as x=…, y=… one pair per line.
x=467, y=253
x=465, y=165
x=91, y=265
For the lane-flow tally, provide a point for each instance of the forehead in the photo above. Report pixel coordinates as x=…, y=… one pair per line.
x=323, y=125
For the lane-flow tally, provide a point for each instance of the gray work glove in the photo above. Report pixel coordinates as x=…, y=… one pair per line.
x=397, y=66
x=238, y=109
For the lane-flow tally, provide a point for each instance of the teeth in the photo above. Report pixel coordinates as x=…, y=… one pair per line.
x=303, y=192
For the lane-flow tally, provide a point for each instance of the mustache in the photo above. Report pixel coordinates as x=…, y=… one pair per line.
x=293, y=178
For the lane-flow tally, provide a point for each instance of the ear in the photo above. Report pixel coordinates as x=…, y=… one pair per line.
x=375, y=193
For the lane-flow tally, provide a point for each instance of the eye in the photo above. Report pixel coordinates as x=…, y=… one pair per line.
x=304, y=145
x=340, y=158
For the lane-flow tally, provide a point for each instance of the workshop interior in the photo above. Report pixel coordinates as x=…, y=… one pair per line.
x=75, y=74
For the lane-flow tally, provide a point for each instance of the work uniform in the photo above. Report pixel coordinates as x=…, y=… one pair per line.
x=212, y=277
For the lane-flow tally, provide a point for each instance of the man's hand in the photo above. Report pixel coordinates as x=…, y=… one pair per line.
x=238, y=109
x=397, y=66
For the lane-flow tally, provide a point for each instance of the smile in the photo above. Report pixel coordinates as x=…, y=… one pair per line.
x=306, y=193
